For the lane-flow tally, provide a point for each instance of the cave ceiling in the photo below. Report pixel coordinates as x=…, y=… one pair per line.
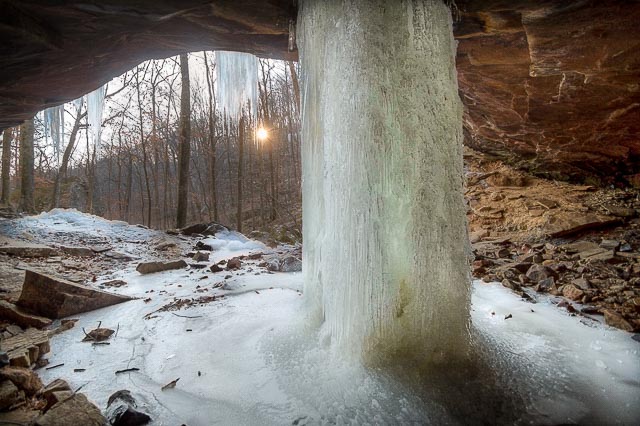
x=549, y=86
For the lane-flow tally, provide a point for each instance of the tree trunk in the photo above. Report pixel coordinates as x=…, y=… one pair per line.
x=62, y=171
x=184, y=141
x=6, y=166
x=240, y=155
x=212, y=142
x=26, y=167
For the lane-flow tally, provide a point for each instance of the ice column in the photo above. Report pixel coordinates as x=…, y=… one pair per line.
x=54, y=126
x=236, y=82
x=385, y=243
x=95, y=107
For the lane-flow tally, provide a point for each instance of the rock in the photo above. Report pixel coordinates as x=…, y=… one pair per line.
x=572, y=292
x=614, y=319
x=24, y=378
x=234, y=263
x=152, y=267
x=522, y=267
x=581, y=283
x=546, y=285
x=19, y=316
x=77, y=251
x=201, y=256
x=620, y=211
x=98, y=335
x=202, y=246
x=598, y=254
x=203, y=229
x=215, y=268
x=57, y=298
x=118, y=256
x=122, y=410
x=570, y=225
x=477, y=236
x=9, y=394
x=100, y=249
x=165, y=245
x=537, y=273
x=610, y=244
x=26, y=250
x=4, y=359
x=290, y=264
x=114, y=283
x=76, y=410
x=56, y=391
x=26, y=348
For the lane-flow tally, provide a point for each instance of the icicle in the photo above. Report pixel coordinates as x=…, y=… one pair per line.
x=385, y=242
x=54, y=127
x=236, y=82
x=95, y=106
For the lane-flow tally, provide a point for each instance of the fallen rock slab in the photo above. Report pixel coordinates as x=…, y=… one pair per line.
x=58, y=298
x=27, y=250
x=76, y=410
x=151, y=267
x=15, y=314
x=77, y=251
x=565, y=226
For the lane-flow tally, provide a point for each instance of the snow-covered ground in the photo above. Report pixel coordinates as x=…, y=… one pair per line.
x=248, y=358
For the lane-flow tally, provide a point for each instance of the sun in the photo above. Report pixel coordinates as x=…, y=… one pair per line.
x=262, y=133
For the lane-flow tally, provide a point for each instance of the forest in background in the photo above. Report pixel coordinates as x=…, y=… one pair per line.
x=132, y=174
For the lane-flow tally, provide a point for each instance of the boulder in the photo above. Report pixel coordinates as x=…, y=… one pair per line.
x=202, y=246
x=234, y=263
x=9, y=394
x=152, y=267
x=572, y=292
x=614, y=319
x=55, y=392
x=76, y=410
x=122, y=410
x=58, y=298
x=201, y=256
x=215, y=268
x=290, y=264
x=537, y=273
x=203, y=229
x=23, y=378
x=13, y=313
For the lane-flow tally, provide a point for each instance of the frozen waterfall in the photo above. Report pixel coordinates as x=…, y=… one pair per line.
x=236, y=82
x=384, y=218
x=95, y=107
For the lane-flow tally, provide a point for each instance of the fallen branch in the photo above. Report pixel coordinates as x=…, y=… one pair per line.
x=186, y=316
x=54, y=366
x=127, y=370
x=171, y=385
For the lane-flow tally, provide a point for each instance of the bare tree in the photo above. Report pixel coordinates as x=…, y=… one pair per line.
x=26, y=167
x=185, y=143
x=6, y=165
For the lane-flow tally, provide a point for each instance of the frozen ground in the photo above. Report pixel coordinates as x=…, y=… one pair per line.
x=248, y=358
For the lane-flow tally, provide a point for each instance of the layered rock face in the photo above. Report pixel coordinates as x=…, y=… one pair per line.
x=551, y=86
